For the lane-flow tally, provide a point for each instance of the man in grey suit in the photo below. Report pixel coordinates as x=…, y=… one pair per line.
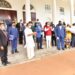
x=3, y=44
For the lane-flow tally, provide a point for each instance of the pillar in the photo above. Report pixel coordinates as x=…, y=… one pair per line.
x=71, y=11
x=54, y=11
x=28, y=13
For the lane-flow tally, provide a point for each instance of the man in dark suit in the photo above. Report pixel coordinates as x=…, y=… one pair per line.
x=53, y=38
x=20, y=27
x=3, y=44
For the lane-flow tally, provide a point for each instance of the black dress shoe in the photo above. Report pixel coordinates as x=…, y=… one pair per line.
x=58, y=48
x=41, y=48
x=8, y=62
x=63, y=49
x=16, y=51
x=4, y=63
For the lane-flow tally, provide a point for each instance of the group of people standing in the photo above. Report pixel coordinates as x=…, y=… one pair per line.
x=30, y=34
x=62, y=36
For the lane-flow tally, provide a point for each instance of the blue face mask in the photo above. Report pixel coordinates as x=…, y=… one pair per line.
x=37, y=24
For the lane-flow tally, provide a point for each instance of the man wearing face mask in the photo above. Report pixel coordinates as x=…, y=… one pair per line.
x=39, y=30
x=60, y=35
x=20, y=27
x=3, y=44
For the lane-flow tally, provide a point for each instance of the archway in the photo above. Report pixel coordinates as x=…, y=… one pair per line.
x=6, y=14
x=33, y=13
x=5, y=4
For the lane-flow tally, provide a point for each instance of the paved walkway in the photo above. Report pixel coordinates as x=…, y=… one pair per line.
x=59, y=64
x=22, y=55
x=46, y=62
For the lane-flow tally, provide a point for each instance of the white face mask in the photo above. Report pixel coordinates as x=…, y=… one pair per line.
x=29, y=26
x=48, y=25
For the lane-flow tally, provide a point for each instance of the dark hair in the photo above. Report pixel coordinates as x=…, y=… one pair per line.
x=52, y=24
x=59, y=21
x=37, y=19
x=13, y=22
x=46, y=23
x=64, y=23
x=68, y=25
x=30, y=22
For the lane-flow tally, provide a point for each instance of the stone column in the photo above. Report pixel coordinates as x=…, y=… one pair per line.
x=71, y=11
x=28, y=13
x=19, y=15
x=54, y=11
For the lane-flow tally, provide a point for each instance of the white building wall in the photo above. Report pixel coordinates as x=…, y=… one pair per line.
x=47, y=16
x=41, y=14
x=65, y=5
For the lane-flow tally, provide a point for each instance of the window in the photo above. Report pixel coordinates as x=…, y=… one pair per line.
x=61, y=10
x=47, y=7
x=31, y=7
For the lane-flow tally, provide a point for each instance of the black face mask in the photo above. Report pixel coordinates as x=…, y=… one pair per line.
x=59, y=25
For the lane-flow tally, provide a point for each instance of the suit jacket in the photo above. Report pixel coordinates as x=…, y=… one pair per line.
x=3, y=39
x=60, y=32
x=3, y=42
x=18, y=26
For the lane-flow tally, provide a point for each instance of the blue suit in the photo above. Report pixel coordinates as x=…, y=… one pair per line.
x=60, y=35
x=14, y=33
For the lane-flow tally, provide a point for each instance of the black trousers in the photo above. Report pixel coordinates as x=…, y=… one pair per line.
x=73, y=40
x=39, y=42
x=53, y=40
x=4, y=56
x=21, y=37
